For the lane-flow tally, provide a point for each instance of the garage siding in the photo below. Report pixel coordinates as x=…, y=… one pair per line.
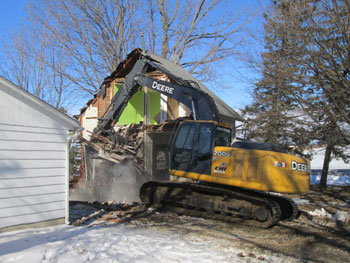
x=32, y=163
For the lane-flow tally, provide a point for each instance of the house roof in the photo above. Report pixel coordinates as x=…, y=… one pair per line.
x=47, y=108
x=225, y=111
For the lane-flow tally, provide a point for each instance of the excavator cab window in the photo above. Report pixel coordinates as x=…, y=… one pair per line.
x=223, y=136
x=205, y=141
x=182, y=152
x=205, y=149
x=193, y=148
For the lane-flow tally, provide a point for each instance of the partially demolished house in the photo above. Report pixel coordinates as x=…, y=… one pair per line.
x=149, y=108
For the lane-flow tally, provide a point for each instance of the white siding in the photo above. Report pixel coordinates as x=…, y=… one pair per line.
x=89, y=121
x=32, y=162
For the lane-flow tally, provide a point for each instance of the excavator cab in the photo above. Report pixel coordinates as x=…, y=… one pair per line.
x=202, y=151
x=193, y=147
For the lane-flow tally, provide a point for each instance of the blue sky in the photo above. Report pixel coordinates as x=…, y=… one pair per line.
x=12, y=14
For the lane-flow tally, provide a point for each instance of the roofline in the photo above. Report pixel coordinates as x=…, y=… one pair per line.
x=123, y=68
x=35, y=100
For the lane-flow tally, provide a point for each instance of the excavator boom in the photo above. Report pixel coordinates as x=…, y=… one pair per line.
x=201, y=104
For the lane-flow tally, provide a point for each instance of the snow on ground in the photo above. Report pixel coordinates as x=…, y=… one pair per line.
x=118, y=243
x=321, y=213
x=323, y=217
x=332, y=179
x=342, y=216
x=137, y=243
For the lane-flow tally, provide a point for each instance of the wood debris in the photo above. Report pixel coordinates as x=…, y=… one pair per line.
x=109, y=212
x=127, y=143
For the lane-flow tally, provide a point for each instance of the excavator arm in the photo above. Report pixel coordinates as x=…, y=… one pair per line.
x=201, y=104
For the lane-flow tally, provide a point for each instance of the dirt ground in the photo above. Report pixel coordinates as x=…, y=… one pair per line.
x=318, y=235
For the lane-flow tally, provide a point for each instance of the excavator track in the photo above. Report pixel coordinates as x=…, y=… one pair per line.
x=221, y=203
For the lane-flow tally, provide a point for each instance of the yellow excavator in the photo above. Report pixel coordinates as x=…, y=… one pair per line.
x=227, y=179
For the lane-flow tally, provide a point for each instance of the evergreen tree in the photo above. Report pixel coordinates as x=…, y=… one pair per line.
x=304, y=94
x=275, y=116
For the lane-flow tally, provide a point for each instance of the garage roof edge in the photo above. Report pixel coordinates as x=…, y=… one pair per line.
x=48, y=108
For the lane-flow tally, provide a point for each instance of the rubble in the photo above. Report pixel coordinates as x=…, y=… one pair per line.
x=95, y=213
x=127, y=143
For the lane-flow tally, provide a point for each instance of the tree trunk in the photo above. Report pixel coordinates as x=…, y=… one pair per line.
x=327, y=159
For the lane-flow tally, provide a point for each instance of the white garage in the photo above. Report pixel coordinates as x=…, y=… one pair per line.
x=34, y=152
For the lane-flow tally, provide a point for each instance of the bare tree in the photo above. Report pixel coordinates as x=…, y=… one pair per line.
x=97, y=34
x=82, y=41
x=93, y=35
x=27, y=65
x=195, y=33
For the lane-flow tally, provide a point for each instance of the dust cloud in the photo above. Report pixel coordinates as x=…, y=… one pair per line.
x=107, y=181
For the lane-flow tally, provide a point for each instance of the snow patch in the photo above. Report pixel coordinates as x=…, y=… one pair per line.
x=122, y=243
x=331, y=179
x=339, y=216
x=342, y=216
x=321, y=213
x=300, y=201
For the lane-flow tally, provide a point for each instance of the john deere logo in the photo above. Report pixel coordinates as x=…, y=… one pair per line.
x=160, y=87
x=301, y=167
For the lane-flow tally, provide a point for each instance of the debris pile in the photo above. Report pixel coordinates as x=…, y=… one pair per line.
x=114, y=163
x=86, y=213
x=127, y=141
